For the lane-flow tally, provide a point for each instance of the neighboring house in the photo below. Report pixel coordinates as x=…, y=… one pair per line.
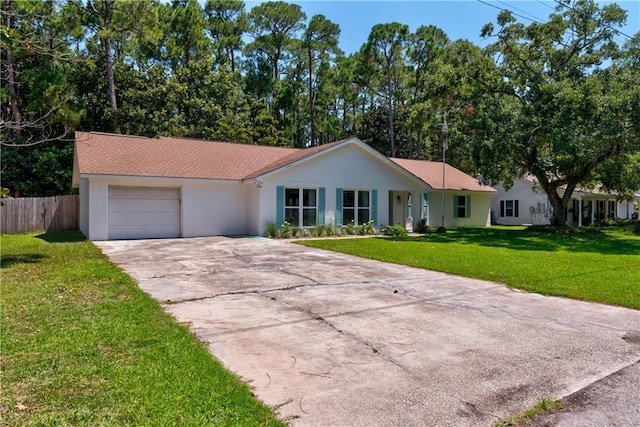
x=526, y=203
x=135, y=187
x=523, y=203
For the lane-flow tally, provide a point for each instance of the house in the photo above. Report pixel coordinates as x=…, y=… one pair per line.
x=136, y=187
x=526, y=203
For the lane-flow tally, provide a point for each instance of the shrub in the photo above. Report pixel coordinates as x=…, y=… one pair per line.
x=422, y=227
x=285, y=230
x=394, y=230
x=271, y=230
x=350, y=228
x=367, y=228
x=319, y=230
x=330, y=229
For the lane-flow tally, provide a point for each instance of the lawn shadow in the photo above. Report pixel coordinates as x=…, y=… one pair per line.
x=7, y=261
x=535, y=239
x=62, y=237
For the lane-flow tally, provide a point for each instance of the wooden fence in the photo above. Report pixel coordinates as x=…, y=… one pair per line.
x=26, y=214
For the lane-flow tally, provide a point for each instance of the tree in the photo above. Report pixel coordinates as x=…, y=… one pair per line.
x=274, y=26
x=385, y=48
x=564, y=107
x=110, y=23
x=33, y=62
x=187, y=42
x=320, y=41
x=226, y=23
x=424, y=47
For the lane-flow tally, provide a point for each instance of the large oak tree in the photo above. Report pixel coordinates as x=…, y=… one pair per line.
x=565, y=102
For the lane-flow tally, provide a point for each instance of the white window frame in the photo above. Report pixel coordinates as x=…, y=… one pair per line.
x=356, y=208
x=504, y=209
x=301, y=207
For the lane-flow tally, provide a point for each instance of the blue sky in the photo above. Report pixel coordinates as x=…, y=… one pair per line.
x=460, y=19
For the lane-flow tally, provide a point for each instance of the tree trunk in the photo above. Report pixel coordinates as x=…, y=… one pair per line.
x=392, y=136
x=233, y=60
x=558, y=203
x=311, y=96
x=111, y=80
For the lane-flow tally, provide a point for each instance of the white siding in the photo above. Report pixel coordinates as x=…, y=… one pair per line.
x=533, y=204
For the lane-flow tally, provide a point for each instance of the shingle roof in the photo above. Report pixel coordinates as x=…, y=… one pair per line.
x=431, y=173
x=164, y=157
x=110, y=154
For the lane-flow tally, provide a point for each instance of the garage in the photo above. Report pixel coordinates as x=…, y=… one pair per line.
x=144, y=212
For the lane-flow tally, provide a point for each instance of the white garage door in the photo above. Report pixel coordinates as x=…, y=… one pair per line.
x=144, y=212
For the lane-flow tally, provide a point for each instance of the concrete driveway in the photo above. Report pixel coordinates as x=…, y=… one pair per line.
x=333, y=340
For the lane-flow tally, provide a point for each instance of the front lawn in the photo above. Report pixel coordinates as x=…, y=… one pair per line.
x=83, y=345
x=600, y=264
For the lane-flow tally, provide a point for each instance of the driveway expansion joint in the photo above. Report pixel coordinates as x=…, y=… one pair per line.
x=353, y=337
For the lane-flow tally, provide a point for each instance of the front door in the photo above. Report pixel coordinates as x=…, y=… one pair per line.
x=397, y=207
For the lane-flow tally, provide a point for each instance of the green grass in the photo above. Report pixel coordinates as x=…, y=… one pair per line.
x=590, y=264
x=83, y=345
x=543, y=406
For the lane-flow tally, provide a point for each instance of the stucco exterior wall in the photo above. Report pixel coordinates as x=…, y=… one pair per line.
x=350, y=168
x=207, y=208
x=480, y=209
x=98, y=210
x=83, y=221
x=212, y=209
x=534, y=207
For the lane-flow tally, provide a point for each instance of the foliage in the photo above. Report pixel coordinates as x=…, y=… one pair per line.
x=575, y=265
x=271, y=230
x=82, y=344
x=557, y=99
x=319, y=230
x=394, y=231
x=286, y=230
x=367, y=229
x=422, y=227
x=544, y=405
x=350, y=228
x=565, y=105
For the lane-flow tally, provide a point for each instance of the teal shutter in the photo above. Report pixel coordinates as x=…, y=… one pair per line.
x=425, y=205
x=374, y=206
x=279, y=205
x=468, y=215
x=339, y=207
x=321, y=205
x=455, y=206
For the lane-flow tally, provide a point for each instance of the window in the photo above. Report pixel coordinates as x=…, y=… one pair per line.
x=356, y=206
x=461, y=206
x=300, y=206
x=509, y=208
x=600, y=214
x=612, y=209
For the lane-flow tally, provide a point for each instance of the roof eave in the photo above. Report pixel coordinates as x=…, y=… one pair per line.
x=116, y=177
